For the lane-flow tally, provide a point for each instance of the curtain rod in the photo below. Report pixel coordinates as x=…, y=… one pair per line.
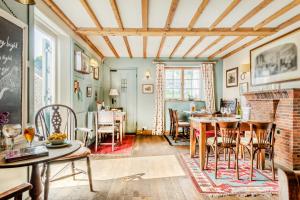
x=182, y=61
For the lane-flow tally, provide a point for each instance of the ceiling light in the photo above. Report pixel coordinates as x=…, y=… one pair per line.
x=26, y=2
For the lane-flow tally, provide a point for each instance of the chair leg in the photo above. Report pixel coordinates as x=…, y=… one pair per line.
x=273, y=171
x=225, y=154
x=96, y=143
x=73, y=169
x=207, y=153
x=229, y=158
x=113, y=142
x=216, y=162
x=257, y=159
x=47, y=182
x=251, y=167
x=176, y=133
x=88, y=163
x=237, y=163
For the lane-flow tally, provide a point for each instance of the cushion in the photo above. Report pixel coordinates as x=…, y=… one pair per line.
x=208, y=133
x=211, y=140
x=107, y=129
x=82, y=152
x=245, y=141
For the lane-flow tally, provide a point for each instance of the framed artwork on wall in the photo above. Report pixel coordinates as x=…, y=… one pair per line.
x=147, y=88
x=243, y=88
x=96, y=73
x=88, y=91
x=232, y=77
x=276, y=61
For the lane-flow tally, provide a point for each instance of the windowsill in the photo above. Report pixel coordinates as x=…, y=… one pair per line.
x=180, y=100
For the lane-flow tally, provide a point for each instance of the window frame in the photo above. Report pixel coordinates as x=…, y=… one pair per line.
x=182, y=69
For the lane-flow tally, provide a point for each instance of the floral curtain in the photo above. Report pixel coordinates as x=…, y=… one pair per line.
x=158, y=121
x=207, y=75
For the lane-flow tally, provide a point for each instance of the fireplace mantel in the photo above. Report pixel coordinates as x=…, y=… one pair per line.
x=273, y=94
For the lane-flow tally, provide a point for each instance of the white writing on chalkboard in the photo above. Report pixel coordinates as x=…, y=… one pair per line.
x=8, y=44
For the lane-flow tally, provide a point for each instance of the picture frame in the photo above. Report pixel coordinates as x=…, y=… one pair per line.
x=96, y=73
x=89, y=91
x=243, y=88
x=277, y=60
x=147, y=88
x=232, y=78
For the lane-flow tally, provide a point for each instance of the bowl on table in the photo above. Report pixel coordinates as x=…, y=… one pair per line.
x=57, y=138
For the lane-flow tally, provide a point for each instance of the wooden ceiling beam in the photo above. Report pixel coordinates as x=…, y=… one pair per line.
x=289, y=22
x=92, y=15
x=169, y=20
x=71, y=25
x=145, y=25
x=250, y=14
x=117, y=15
x=193, y=46
x=243, y=46
x=227, y=46
x=277, y=14
x=233, y=4
x=210, y=46
x=194, y=19
x=176, y=32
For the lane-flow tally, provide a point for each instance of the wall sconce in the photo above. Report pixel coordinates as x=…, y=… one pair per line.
x=94, y=63
x=244, y=69
x=26, y=2
x=147, y=75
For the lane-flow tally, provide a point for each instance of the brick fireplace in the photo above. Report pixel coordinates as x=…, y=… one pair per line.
x=282, y=106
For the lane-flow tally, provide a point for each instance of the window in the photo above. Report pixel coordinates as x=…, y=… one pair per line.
x=183, y=84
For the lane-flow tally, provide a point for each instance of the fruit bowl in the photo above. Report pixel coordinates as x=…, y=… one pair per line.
x=57, y=138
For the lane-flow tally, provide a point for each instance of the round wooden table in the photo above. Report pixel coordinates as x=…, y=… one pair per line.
x=35, y=179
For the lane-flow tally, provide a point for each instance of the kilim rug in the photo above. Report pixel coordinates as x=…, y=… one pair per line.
x=227, y=184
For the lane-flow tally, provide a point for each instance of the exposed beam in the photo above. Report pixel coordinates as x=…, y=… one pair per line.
x=70, y=24
x=210, y=46
x=177, y=32
x=250, y=14
x=169, y=20
x=145, y=40
x=233, y=4
x=243, y=46
x=92, y=15
x=162, y=42
x=177, y=45
x=197, y=14
x=289, y=22
x=227, y=46
x=193, y=46
x=116, y=12
x=145, y=14
x=194, y=19
x=277, y=14
x=145, y=25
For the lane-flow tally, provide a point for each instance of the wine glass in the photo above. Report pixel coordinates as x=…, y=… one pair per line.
x=228, y=111
x=29, y=133
x=11, y=131
x=222, y=110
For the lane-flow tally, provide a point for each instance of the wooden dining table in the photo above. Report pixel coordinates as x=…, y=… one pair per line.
x=35, y=180
x=203, y=124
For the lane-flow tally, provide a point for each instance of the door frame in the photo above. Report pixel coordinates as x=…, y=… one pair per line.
x=136, y=89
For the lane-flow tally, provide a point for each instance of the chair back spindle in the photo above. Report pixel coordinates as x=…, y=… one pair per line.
x=106, y=118
x=228, y=132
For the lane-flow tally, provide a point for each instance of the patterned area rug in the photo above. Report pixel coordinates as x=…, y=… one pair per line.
x=227, y=184
x=180, y=142
x=124, y=149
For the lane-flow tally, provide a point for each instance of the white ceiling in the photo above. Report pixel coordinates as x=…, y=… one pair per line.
x=131, y=15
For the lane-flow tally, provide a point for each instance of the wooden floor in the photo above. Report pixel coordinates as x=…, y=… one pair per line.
x=152, y=172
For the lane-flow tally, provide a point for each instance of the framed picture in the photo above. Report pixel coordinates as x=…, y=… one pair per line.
x=148, y=88
x=96, y=73
x=232, y=77
x=88, y=91
x=243, y=88
x=276, y=61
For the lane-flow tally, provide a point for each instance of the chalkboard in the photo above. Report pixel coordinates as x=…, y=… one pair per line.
x=11, y=68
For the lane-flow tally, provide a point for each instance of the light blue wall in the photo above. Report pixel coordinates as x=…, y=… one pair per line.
x=81, y=103
x=145, y=102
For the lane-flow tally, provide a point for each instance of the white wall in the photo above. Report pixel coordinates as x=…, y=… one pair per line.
x=243, y=57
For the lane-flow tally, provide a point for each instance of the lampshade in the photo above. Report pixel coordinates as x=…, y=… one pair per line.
x=94, y=63
x=245, y=68
x=113, y=92
x=26, y=2
x=147, y=74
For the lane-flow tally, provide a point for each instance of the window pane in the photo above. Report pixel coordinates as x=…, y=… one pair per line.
x=176, y=93
x=187, y=93
x=188, y=74
x=187, y=84
x=196, y=83
x=196, y=93
x=169, y=84
x=196, y=74
x=169, y=74
x=177, y=84
x=177, y=74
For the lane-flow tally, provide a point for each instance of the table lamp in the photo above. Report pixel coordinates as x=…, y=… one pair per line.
x=113, y=93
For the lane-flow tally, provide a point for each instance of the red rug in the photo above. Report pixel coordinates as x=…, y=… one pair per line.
x=227, y=184
x=124, y=149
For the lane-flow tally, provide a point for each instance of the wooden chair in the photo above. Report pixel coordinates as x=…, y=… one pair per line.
x=179, y=124
x=105, y=124
x=289, y=184
x=228, y=139
x=16, y=192
x=61, y=119
x=171, y=122
x=264, y=140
